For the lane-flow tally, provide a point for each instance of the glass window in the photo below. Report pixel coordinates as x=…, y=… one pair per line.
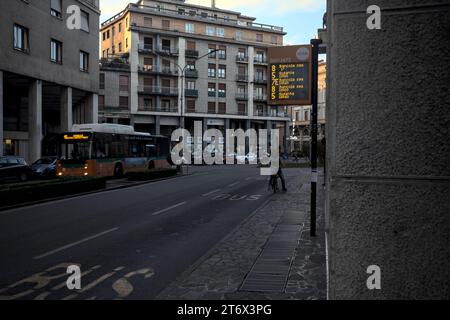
x=239, y=35
x=84, y=61
x=211, y=70
x=212, y=51
x=123, y=102
x=190, y=28
x=259, y=37
x=123, y=83
x=85, y=21
x=56, y=51
x=210, y=31
x=222, y=72
x=222, y=90
x=211, y=89
x=221, y=32
x=211, y=107
x=222, y=108
x=102, y=81
x=21, y=40
x=222, y=53
x=166, y=24
x=56, y=8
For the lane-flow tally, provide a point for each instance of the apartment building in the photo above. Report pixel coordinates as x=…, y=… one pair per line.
x=166, y=64
x=301, y=116
x=48, y=72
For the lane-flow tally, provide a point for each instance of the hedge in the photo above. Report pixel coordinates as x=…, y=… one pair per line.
x=17, y=193
x=153, y=174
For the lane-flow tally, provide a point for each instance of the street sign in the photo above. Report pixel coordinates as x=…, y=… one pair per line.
x=290, y=75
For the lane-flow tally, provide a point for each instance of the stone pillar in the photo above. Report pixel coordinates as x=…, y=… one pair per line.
x=1, y=113
x=388, y=177
x=157, y=125
x=158, y=77
x=134, y=75
x=66, y=109
x=92, y=108
x=251, y=79
x=34, y=121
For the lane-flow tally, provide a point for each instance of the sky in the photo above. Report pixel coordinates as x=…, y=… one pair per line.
x=300, y=18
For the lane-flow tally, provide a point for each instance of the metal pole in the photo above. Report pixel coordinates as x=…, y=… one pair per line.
x=314, y=97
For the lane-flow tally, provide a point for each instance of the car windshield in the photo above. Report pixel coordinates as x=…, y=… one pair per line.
x=45, y=161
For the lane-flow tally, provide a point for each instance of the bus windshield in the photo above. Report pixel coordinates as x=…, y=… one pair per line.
x=76, y=146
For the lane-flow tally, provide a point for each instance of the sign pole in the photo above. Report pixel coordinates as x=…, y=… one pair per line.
x=314, y=97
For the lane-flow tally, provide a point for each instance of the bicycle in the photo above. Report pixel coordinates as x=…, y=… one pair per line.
x=273, y=183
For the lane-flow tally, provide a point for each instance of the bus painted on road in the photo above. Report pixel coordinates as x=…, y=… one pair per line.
x=106, y=150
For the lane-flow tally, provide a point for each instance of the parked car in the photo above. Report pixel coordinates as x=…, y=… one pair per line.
x=45, y=167
x=12, y=167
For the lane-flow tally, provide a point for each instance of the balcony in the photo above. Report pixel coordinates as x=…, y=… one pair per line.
x=154, y=90
x=150, y=69
x=271, y=114
x=191, y=93
x=164, y=109
x=242, y=78
x=260, y=97
x=191, y=53
x=212, y=94
x=260, y=60
x=241, y=58
x=241, y=96
x=116, y=63
x=145, y=48
x=260, y=80
x=167, y=51
x=191, y=73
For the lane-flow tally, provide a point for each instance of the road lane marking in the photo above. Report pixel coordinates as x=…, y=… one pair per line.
x=168, y=209
x=233, y=184
x=210, y=193
x=74, y=244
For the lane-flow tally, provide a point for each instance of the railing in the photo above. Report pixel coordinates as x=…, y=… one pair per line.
x=158, y=90
x=157, y=69
x=265, y=114
x=242, y=77
x=241, y=58
x=260, y=60
x=241, y=96
x=166, y=50
x=260, y=80
x=191, y=93
x=191, y=73
x=145, y=47
x=191, y=53
x=260, y=97
x=166, y=109
x=115, y=63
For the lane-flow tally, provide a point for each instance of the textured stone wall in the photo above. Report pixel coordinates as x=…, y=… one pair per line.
x=388, y=114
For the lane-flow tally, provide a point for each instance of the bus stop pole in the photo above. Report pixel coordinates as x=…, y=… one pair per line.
x=314, y=132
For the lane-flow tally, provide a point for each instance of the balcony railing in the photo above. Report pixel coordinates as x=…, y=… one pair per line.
x=192, y=93
x=260, y=97
x=261, y=80
x=165, y=109
x=168, y=91
x=146, y=48
x=260, y=60
x=241, y=96
x=115, y=63
x=167, y=51
x=241, y=58
x=242, y=77
x=191, y=73
x=191, y=53
x=158, y=69
x=272, y=114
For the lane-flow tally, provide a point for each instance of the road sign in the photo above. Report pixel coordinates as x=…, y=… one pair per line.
x=290, y=75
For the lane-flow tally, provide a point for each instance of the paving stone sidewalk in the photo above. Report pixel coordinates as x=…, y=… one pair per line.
x=269, y=256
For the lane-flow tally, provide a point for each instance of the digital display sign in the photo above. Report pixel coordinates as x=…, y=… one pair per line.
x=290, y=75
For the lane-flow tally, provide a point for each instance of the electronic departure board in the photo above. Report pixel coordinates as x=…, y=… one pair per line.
x=290, y=75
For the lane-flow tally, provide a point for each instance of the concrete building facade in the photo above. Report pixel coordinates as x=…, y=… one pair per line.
x=48, y=72
x=388, y=149
x=174, y=76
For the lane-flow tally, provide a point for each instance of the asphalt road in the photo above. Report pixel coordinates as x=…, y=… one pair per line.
x=129, y=243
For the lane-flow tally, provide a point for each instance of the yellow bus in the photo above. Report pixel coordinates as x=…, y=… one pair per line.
x=109, y=150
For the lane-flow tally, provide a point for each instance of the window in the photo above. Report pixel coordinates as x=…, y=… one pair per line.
x=120, y=46
x=242, y=54
x=165, y=105
x=222, y=72
x=84, y=61
x=210, y=31
x=222, y=53
x=56, y=51
x=166, y=45
x=239, y=35
x=306, y=115
x=181, y=11
x=211, y=107
x=259, y=37
x=148, y=104
x=190, y=28
x=56, y=8
x=274, y=40
x=148, y=22
x=260, y=56
x=21, y=39
x=104, y=36
x=85, y=21
x=190, y=65
x=212, y=51
x=192, y=13
x=148, y=64
x=190, y=85
x=211, y=89
x=123, y=102
x=148, y=43
x=126, y=43
x=120, y=27
x=222, y=90
x=126, y=22
x=107, y=34
x=166, y=24
x=190, y=45
x=221, y=32
x=222, y=108
x=101, y=101
x=123, y=83
x=102, y=81
x=190, y=105
x=242, y=109
x=211, y=70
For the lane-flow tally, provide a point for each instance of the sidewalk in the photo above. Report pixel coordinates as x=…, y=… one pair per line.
x=268, y=256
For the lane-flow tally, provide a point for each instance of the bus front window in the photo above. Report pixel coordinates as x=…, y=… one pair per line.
x=76, y=151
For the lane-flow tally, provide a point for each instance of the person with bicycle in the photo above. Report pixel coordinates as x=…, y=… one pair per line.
x=273, y=179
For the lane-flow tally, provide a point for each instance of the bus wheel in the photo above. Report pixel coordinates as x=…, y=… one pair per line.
x=118, y=171
x=151, y=165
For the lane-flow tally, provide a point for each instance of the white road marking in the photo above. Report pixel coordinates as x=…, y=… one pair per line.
x=74, y=244
x=170, y=208
x=210, y=193
x=233, y=184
